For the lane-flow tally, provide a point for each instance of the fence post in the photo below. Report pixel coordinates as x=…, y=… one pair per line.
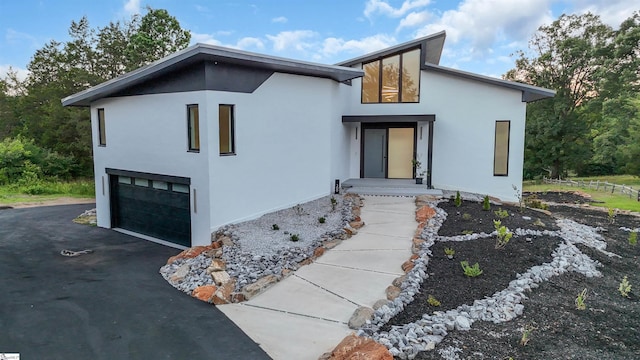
x=597, y=185
x=613, y=188
x=638, y=195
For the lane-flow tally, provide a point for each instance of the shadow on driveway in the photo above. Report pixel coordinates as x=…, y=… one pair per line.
x=111, y=304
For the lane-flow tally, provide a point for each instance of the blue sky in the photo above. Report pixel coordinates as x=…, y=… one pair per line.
x=481, y=34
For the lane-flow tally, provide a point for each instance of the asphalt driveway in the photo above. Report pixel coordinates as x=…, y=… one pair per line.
x=111, y=304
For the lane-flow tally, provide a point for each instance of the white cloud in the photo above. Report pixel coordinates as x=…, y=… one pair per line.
x=249, y=43
x=5, y=68
x=297, y=39
x=332, y=46
x=204, y=39
x=612, y=12
x=414, y=19
x=279, y=19
x=481, y=24
x=382, y=7
x=245, y=43
x=132, y=7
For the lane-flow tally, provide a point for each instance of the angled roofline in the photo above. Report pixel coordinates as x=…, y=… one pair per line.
x=206, y=52
x=431, y=50
x=530, y=93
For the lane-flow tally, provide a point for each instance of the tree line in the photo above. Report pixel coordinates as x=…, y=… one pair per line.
x=591, y=126
x=31, y=114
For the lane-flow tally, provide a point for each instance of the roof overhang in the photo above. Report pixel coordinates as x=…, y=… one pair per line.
x=431, y=50
x=387, y=118
x=530, y=93
x=204, y=52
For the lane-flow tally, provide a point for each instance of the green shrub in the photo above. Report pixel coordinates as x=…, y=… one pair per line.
x=486, y=205
x=432, y=301
x=294, y=237
x=503, y=236
x=322, y=220
x=501, y=213
x=470, y=271
x=633, y=238
x=458, y=200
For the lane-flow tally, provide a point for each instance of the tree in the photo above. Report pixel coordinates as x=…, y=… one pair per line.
x=567, y=56
x=158, y=35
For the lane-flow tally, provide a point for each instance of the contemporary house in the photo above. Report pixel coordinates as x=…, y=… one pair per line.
x=210, y=136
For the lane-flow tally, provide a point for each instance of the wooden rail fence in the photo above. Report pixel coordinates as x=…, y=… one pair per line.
x=598, y=185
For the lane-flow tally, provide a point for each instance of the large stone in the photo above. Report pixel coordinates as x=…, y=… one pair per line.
x=356, y=224
x=380, y=303
x=223, y=293
x=216, y=265
x=181, y=273
x=189, y=253
x=318, y=252
x=424, y=213
x=330, y=244
x=225, y=240
x=407, y=266
x=399, y=280
x=360, y=317
x=392, y=292
x=204, y=292
x=354, y=347
x=220, y=277
x=254, y=289
x=462, y=323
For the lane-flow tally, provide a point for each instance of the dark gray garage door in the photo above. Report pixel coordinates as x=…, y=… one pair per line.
x=151, y=204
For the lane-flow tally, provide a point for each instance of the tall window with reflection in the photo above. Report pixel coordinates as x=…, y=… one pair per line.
x=392, y=79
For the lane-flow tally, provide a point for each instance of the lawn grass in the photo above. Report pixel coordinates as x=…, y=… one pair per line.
x=608, y=200
x=46, y=190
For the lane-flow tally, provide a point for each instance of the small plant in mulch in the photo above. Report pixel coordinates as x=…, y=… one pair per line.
x=470, y=271
x=449, y=252
x=625, y=287
x=322, y=220
x=501, y=213
x=532, y=201
x=334, y=203
x=432, y=301
x=539, y=222
x=633, y=238
x=519, y=197
x=486, y=206
x=580, y=300
x=275, y=227
x=466, y=216
x=294, y=237
x=458, y=200
x=467, y=232
x=526, y=334
x=611, y=215
x=503, y=236
x=299, y=210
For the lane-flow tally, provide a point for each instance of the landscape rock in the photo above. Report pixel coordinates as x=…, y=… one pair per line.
x=216, y=265
x=189, y=253
x=360, y=317
x=392, y=292
x=254, y=289
x=424, y=213
x=354, y=347
x=220, y=277
x=380, y=303
x=204, y=292
x=181, y=273
x=318, y=252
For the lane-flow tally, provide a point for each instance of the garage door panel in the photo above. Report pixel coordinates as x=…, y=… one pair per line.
x=159, y=213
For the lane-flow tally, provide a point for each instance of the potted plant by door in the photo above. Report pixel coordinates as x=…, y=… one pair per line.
x=416, y=167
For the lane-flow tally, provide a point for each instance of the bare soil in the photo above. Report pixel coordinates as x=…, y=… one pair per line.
x=608, y=329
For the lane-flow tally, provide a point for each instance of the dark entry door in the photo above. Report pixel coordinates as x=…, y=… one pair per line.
x=375, y=153
x=155, y=208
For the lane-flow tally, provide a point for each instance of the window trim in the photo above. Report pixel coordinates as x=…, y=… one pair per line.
x=191, y=147
x=232, y=129
x=380, y=72
x=495, y=147
x=102, y=135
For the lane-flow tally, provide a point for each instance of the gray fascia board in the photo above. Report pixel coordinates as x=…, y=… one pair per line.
x=212, y=53
x=529, y=92
x=423, y=41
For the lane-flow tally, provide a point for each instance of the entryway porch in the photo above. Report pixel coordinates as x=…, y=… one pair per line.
x=390, y=187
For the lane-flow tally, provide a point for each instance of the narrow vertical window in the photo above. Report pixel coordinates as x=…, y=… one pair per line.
x=411, y=76
x=371, y=82
x=226, y=129
x=193, y=119
x=102, y=136
x=390, y=79
x=501, y=149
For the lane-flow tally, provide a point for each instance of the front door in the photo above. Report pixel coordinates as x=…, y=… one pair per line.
x=375, y=153
x=387, y=151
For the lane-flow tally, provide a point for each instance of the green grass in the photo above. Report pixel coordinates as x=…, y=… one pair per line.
x=615, y=201
x=46, y=190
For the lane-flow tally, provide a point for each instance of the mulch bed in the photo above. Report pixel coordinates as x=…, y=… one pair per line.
x=608, y=329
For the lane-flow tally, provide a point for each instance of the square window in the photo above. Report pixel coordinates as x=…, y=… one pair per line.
x=193, y=124
x=226, y=128
x=180, y=188
x=124, y=180
x=161, y=185
x=102, y=136
x=141, y=182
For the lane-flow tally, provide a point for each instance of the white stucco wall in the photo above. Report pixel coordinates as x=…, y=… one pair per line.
x=149, y=134
x=464, y=134
x=464, y=131
x=283, y=148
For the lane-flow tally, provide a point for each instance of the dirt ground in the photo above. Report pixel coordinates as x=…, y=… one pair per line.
x=52, y=202
x=609, y=328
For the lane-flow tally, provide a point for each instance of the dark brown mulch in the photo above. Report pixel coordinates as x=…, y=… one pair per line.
x=608, y=329
x=560, y=197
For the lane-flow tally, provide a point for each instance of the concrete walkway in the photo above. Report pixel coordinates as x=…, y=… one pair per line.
x=306, y=314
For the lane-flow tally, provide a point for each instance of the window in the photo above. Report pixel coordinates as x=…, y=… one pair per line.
x=193, y=120
x=102, y=137
x=226, y=129
x=392, y=79
x=501, y=149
